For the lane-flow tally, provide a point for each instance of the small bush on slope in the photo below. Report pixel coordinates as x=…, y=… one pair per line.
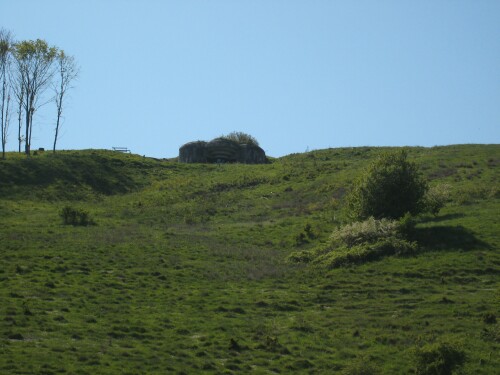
x=365, y=252
x=438, y=358
x=367, y=231
x=436, y=198
x=76, y=217
x=389, y=188
x=360, y=242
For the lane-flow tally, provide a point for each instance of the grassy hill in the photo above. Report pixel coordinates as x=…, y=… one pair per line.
x=185, y=270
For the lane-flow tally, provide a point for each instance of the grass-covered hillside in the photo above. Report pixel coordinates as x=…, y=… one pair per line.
x=185, y=268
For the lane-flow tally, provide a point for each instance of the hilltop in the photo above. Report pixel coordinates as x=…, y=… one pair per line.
x=185, y=270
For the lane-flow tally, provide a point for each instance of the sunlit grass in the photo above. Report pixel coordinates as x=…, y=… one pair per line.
x=185, y=271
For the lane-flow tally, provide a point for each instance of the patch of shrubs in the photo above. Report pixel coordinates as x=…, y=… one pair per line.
x=305, y=236
x=366, y=252
x=368, y=231
x=440, y=358
x=76, y=217
x=436, y=198
x=241, y=138
x=381, y=206
x=360, y=242
x=489, y=318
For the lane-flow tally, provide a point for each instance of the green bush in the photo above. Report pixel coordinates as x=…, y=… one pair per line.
x=436, y=198
x=76, y=217
x=389, y=188
x=307, y=256
x=241, y=138
x=439, y=358
x=489, y=318
x=365, y=252
x=406, y=226
x=367, y=231
x=305, y=236
x=361, y=242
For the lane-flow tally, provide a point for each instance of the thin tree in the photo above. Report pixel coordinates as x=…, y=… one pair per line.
x=34, y=72
x=67, y=71
x=5, y=127
x=18, y=89
x=5, y=57
x=20, y=100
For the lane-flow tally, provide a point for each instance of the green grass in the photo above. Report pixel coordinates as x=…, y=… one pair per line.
x=185, y=271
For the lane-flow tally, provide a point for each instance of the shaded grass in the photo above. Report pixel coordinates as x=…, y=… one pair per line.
x=448, y=238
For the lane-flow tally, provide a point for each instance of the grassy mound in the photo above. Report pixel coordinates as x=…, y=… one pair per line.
x=360, y=242
x=74, y=174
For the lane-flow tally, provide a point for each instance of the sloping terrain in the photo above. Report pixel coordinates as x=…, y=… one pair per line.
x=185, y=271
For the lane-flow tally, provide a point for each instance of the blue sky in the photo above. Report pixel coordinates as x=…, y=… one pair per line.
x=296, y=75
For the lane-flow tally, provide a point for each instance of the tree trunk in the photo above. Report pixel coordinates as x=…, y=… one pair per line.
x=31, y=127
x=19, y=120
x=3, y=118
x=27, y=139
x=6, y=120
x=19, y=124
x=59, y=101
x=20, y=98
x=3, y=123
x=57, y=131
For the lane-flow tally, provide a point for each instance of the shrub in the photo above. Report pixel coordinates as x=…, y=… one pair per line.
x=300, y=257
x=367, y=231
x=366, y=252
x=439, y=358
x=406, y=226
x=300, y=239
x=307, y=256
x=389, y=188
x=436, y=198
x=241, y=138
x=361, y=242
x=489, y=318
x=305, y=236
x=76, y=217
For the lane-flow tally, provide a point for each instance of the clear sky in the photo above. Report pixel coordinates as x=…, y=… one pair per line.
x=296, y=75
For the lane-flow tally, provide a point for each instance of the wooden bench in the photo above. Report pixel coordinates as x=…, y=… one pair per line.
x=121, y=149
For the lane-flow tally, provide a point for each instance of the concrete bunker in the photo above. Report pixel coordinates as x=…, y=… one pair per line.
x=221, y=150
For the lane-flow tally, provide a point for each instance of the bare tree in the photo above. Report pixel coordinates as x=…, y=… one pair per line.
x=5, y=58
x=67, y=71
x=5, y=126
x=34, y=72
x=20, y=100
x=18, y=90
